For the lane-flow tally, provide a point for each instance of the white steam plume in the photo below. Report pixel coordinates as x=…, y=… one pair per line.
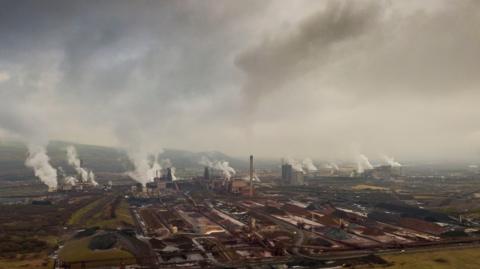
x=64, y=179
x=255, y=178
x=391, y=161
x=91, y=176
x=308, y=165
x=70, y=180
x=39, y=161
x=74, y=161
x=294, y=163
x=332, y=166
x=146, y=167
x=363, y=163
x=172, y=170
x=222, y=166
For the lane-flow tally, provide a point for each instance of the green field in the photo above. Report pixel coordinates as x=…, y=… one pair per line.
x=448, y=259
x=31, y=261
x=78, y=216
x=77, y=250
x=97, y=213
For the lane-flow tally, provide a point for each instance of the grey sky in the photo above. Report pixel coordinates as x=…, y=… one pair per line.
x=325, y=79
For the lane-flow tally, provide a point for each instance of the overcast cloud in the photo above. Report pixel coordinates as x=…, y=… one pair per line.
x=325, y=79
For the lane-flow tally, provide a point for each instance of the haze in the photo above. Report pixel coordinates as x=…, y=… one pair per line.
x=323, y=79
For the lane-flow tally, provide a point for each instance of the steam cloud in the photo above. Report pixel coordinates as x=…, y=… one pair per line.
x=70, y=180
x=294, y=163
x=151, y=74
x=269, y=65
x=308, y=165
x=363, y=163
x=391, y=161
x=85, y=174
x=67, y=180
x=39, y=161
x=222, y=166
x=145, y=167
x=305, y=166
x=332, y=166
x=255, y=178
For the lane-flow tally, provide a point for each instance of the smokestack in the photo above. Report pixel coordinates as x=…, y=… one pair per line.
x=251, y=175
x=169, y=176
x=206, y=173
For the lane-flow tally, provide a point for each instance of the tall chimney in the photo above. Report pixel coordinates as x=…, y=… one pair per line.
x=251, y=175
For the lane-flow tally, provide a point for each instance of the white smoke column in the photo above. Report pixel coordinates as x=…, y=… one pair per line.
x=363, y=163
x=332, y=166
x=66, y=180
x=172, y=170
x=146, y=167
x=39, y=161
x=255, y=178
x=74, y=161
x=91, y=177
x=294, y=163
x=223, y=166
x=70, y=180
x=308, y=165
x=391, y=161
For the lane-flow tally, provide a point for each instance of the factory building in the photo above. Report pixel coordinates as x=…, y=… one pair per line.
x=199, y=223
x=239, y=186
x=384, y=172
x=291, y=176
x=206, y=173
x=287, y=171
x=169, y=175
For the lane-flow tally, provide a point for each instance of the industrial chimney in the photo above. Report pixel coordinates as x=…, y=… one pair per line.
x=206, y=173
x=169, y=176
x=251, y=175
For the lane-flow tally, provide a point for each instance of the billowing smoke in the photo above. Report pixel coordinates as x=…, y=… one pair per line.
x=63, y=179
x=255, y=178
x=39, y=161
x=363, y=163
x=332, y=166
x=69, y=180
x=274, y=61
x=294, y=163
x=146, y=167
x=305, y=166
x=391, y=161
x=173, y=170
x=222, y=166
x=308, y=165
x=85, y=174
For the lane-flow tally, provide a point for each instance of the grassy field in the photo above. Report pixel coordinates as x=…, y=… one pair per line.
x=361, y=187
x=77, y=250
x=123, y=218
x=448, y=259
x=38, y=260
x=98, y=213
x=78, y=216
x=30, y=261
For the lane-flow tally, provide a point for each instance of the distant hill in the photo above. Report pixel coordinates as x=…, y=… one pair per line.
x=98, y=158
x=188, y=159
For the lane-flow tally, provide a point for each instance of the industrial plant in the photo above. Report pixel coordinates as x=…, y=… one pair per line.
x=250, y=218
